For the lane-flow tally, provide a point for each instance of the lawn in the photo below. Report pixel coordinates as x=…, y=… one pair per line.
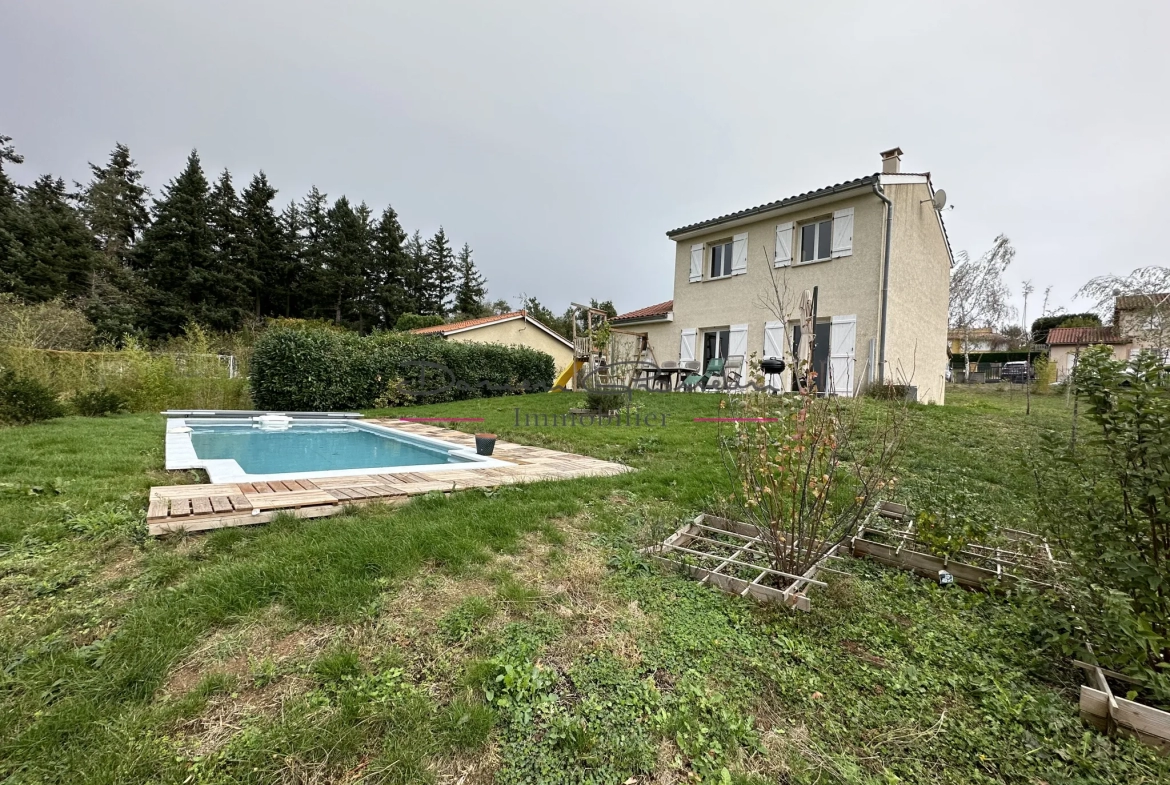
x=514, y=635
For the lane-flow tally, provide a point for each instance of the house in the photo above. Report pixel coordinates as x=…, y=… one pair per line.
x=876, y=252
x=510, y=329
x=1139, y=324
x=979, y=339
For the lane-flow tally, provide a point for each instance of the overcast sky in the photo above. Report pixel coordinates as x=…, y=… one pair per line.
x=563, y=140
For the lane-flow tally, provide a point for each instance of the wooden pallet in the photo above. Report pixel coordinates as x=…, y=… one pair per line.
x=1106, y=712
x=191, y=508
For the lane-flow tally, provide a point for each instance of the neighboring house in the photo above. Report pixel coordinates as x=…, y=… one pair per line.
x=509, y=329
x=880, y=318
x=979, y=339
x=1139, y=323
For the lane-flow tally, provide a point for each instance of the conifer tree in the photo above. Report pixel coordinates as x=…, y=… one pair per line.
x=59, y=255
x=344, y=251
x=389, y=269
x=315, y=295
x=441, y=274
x=264, y=250
x=472, y=287
x=231, y=272
x=417, y=275
x=12, y=220
x=114, y=207
x=287, y=297
x=177, y=259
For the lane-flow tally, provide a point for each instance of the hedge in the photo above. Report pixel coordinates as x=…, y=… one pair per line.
x=995, y=357
x=326, y=370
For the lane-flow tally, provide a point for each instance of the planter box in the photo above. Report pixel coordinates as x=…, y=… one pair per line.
x=730, y=556
x=1108, y=713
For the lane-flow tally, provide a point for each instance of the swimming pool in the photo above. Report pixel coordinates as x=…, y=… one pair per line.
x=260, y=449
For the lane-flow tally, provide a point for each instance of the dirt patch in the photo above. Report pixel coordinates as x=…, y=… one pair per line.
x=226, y=715
x=859, y=651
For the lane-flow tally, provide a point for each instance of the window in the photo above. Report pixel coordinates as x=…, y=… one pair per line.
x=816, y=240
x=721, y=259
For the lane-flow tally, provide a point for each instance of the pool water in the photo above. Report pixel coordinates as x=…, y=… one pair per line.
x=305, y=447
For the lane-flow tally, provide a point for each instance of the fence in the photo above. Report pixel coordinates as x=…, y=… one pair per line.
x=147, y=380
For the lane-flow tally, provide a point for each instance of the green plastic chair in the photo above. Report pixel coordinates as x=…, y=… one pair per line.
x=714, y=368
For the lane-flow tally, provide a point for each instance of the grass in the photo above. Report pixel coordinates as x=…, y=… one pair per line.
x=513, y=635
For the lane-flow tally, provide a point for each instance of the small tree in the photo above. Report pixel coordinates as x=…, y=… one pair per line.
x=978, y=295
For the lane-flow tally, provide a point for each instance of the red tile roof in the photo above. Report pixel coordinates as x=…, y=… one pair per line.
x=649, y=312
x=446, y=328
x=1127, y=302
x=1083, y=336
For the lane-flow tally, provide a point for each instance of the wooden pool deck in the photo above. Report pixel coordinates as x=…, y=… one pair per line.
x=192, y=508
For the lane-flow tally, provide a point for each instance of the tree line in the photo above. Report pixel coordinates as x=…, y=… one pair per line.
x=209, y=253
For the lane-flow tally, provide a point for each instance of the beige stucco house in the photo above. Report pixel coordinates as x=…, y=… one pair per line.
x=874, y=248
x=1139, y=324
x=517, y=328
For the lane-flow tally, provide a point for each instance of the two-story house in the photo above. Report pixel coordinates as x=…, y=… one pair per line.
x=874, y=248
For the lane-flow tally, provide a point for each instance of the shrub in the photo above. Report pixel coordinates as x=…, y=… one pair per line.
x=316, y=370
x=25, y=400
x=99, y=402
x=1104, y=500
x=413, y=321
x=603, y=401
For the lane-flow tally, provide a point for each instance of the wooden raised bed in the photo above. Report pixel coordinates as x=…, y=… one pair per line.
x=887, y=536
x=732, y=556
x=1104, y=711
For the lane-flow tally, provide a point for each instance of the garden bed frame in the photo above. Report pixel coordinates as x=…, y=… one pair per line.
x=974, y=565
x=1101, y=709
x=710, y=547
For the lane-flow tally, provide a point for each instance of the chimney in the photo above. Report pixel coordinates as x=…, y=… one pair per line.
x=892, y=161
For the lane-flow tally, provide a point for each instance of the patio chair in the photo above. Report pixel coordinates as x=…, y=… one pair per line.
x=664, y=375
x=714, y=368
x=731, y=371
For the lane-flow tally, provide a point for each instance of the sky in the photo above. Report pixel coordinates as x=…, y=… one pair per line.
x=562, y=140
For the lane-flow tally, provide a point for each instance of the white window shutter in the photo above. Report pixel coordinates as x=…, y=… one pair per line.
x=783, y=244
x=697, y=262
x=842, y=232
x=842, y=348
x=737, y=346
x=739, y=254
x=774, y=339
x=686, y=349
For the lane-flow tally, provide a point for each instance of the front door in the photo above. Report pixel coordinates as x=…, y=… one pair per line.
x=715, y=343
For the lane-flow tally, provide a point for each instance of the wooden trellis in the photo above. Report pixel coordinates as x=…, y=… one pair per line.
x=733, y=556
x=887, y=535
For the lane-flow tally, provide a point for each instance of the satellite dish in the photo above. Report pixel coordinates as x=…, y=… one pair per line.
x=940, y=199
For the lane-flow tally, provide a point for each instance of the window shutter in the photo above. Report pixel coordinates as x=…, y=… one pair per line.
x=737, y=346
x=774, y=339
x=783, y=244
x=842, y=347
x=842, y=232
x=686, y=349
x=697, y=262
x=739, y=254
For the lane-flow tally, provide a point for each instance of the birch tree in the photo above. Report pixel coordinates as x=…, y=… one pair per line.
x=1147, y=290
x=979, y=297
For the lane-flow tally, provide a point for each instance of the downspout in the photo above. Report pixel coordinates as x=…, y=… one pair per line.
x=877, y=189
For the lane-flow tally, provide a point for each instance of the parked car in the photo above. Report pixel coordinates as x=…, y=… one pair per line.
x=1017, y=372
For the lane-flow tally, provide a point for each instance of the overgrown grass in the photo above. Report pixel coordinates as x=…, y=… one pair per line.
x=513, y=633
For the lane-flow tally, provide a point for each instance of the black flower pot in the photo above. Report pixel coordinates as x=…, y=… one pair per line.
x=485, y=443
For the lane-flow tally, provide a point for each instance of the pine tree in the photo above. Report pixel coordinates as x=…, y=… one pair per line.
x=114, y=207
x=287, y=297
x=177, y=259
x=12, y=222
x=114, y=204
x=389, y=270
x=344, y=251
x=264, y=250
x=472, y=287
x=59, y=256
x=233, y=278
x=417, y=275
x=365, y=301
x=316, y=300
x=441, y=274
